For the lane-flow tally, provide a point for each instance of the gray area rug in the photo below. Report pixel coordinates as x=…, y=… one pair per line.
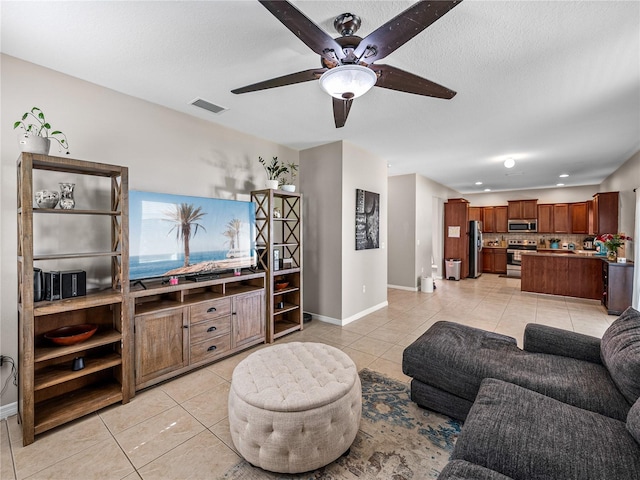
x=397, y=440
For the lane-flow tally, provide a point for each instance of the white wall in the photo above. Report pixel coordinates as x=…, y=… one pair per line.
x=165, y=151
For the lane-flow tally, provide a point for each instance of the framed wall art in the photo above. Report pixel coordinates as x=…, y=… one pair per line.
x=367, y=220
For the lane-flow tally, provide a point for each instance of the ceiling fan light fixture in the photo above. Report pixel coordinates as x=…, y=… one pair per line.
x=348, y=81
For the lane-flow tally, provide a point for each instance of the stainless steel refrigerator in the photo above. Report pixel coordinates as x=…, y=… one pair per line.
x=475, y=249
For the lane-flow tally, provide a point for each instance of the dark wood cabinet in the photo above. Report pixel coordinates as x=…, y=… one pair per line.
x=475, y=213
x=617, y=286
x=605, y=213
x=456, y=232
x=500, y=219
x=522, y=209
x=579, y=213
x=488, y=219
x=494, y=260
x=545, y=218
x=561, y=218
x=562, y=274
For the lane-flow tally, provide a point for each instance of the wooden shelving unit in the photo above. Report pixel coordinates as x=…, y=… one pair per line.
x=281, y=233
x=50, y=393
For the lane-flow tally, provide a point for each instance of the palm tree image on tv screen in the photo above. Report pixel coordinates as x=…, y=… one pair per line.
x=173, y=235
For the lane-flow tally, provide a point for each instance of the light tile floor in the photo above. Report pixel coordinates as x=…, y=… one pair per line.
x=179, y=429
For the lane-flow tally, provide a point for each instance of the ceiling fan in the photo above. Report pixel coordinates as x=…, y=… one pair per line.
x=348, y=68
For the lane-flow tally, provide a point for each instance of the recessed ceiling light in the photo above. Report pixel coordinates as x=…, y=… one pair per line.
x=563, y=175
x=478, y=183
x=487, y=189
x=509, y=163
x=559, y=184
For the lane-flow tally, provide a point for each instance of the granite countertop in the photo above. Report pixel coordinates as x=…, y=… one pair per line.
x=558, y=252
x=494, y=246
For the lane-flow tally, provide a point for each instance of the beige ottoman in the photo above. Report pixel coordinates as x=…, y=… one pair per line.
x=294, y=407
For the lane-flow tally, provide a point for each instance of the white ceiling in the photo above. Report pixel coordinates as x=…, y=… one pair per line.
x=553, y=84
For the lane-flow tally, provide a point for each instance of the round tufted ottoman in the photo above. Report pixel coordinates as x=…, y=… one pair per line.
x=294, y=407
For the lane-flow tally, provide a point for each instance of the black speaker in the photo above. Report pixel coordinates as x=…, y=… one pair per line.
x=73, y=283
x=52, y=286
x=38, y=285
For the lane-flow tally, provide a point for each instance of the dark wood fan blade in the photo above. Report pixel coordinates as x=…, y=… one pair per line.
x=302, y=27
x=402, y=28
x=299, y=77
x=341, y=110
x=395, y=79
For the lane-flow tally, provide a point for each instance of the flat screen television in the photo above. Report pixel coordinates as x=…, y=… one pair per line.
x=180, y=235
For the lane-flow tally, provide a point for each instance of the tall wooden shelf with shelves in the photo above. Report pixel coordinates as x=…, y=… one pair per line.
x=280, y=234
x=50, y=393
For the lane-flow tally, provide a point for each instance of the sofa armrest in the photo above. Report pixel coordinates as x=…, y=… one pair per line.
x=556, y=341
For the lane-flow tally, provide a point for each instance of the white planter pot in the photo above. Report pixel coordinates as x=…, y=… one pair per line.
x=288, y=188
x=34, y=144
x=273, y=184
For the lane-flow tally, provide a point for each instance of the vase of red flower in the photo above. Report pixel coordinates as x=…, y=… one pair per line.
x=613, y=241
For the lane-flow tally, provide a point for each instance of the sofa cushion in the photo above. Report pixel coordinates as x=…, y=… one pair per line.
x=620, y=352
x=633, y=421
x=463, y=470
x=456, y=358
x=526, y=435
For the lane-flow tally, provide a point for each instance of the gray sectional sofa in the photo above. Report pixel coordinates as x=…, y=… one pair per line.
x=566, y=406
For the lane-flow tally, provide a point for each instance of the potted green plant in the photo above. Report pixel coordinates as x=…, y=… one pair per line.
x=554, y=242
x=275, y=171
x=613, y=241
x=288, y=180
x=37, y=136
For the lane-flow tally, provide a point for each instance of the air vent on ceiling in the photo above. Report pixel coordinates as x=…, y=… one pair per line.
x=211, y=107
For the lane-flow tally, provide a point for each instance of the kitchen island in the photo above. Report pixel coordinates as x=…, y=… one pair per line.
x=579, y=274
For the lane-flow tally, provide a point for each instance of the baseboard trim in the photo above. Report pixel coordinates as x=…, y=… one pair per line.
x=8, y=410
x=353, y=318
x=402, y=287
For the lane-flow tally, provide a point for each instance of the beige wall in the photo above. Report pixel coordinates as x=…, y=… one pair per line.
x=165, y=151
x=335, y=273
x=543, y=195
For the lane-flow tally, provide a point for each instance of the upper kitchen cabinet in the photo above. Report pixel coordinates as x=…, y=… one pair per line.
x=605, y=212
x=545, y=218
x=488, y=219
x=579, y=213
x=522, y=209
x=500, y=219
x=475, y=213
x=561, y=218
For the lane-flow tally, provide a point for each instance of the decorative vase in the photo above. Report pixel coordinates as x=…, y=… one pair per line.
x=272, y=184
x=612, y=255
x=554, y=245
x=34, y=144
x=288, y=188
x=67, y=202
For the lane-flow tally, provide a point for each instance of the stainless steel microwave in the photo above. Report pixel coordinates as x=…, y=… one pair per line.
x=523, y=226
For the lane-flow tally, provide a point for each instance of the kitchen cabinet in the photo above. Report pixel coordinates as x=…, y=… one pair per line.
x=617, y=283
x=522, y=209
x=562, y=274
x=494, y=260
x=545, y=218
x=579, y=213
x=488, y=219
x=178, y=328
x=456, y=245
x=475, y=213
x=500, y=219
x=605, y=213
x=561, y=218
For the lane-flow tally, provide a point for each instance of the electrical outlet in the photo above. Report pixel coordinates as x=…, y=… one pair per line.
x=364, y=289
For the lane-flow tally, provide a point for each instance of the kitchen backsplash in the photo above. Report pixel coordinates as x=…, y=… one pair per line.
x=490, y=238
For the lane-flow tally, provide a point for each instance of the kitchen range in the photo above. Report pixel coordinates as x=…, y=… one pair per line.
x=515, y=249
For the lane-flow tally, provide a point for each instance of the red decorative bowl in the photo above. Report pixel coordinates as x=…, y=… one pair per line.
x=72, y=334
x=281, y=285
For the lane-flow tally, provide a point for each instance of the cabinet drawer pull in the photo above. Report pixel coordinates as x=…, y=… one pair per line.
x=211, y=329
x=211, y=348
x=185, y=326
x=212, y=309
